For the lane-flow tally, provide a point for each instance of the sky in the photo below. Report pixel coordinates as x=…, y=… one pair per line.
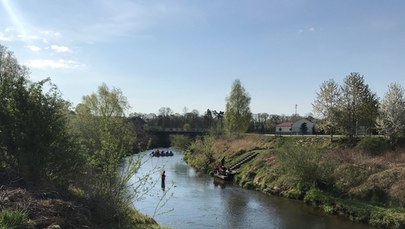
x=186, y=54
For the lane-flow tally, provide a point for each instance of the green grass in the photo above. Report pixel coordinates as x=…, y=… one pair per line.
x=357, y=211
x=10, y=219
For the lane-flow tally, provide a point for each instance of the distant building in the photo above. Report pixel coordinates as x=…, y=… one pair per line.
x=302, y=126
x=284, y=128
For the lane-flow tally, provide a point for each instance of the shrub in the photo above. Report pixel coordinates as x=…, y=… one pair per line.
x=34, y=138
x=306, y=164
x=372, y=145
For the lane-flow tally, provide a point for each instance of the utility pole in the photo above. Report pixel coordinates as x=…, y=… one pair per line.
x=296, y=109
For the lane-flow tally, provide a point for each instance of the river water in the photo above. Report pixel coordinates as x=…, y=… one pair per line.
x=193, y=200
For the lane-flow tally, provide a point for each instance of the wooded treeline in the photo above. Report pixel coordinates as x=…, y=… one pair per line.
x=350, y=109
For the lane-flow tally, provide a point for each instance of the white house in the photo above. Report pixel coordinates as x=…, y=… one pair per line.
x=302, y=126
x=284, y=127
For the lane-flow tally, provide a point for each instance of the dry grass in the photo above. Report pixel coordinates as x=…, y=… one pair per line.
x=237, y=144
x=376, y=178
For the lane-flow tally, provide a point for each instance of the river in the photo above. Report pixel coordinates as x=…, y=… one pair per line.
x=193, y=200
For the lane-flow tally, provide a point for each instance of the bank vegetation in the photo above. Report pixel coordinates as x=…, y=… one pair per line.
x=363, y=179
x=62, y=167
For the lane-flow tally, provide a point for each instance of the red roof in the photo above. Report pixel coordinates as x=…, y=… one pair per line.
x=285, y=124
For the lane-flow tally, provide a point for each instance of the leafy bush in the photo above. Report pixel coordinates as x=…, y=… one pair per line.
x=199, y=154
x=34, y=138
x=307, y=164
x=373, y=145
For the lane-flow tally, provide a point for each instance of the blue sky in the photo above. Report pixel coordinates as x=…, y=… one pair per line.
x=188, y=53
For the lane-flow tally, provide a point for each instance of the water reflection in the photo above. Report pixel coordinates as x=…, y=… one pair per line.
x=235, y=209
x=219, y=183
x=200, y=201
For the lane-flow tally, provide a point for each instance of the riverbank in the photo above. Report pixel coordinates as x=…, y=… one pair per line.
x=340, y=178
x=26, y=205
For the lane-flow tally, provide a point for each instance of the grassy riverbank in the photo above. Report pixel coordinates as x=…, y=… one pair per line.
x=25, y=205
x=361, y=180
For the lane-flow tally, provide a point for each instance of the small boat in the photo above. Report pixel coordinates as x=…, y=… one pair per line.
x=224, y=175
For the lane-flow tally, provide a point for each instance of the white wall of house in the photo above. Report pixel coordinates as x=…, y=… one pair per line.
x=283, y=129
x=296, y=127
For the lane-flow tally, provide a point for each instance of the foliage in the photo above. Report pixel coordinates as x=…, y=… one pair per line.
x=10, y=219
x=34, y=136
x=106, y=137
x=199, y=153
x=325, y=106
x=391, y=121
x=37, y=141
x=180, y=142
x=306, y=164
x=353, y=107
x=237, y=114
x=357, y=211
x=358, y=106
x=260, y=123
x=372, y=145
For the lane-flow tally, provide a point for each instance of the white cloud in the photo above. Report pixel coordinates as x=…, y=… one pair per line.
x=5, y=37
x=45, y=36
x=60, y=49
x=48, y=63
x=33, y=48
x=50, y=33
x=28, y=37
x=308, y=29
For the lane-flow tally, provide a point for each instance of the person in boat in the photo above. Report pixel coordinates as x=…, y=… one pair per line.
x=216, y=168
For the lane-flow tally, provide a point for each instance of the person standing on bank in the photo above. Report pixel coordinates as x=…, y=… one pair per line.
x=163, y=180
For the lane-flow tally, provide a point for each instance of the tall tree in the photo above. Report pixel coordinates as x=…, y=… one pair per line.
x=391, y=121
x=208, y=119
x=358, y=107
x=325, y=106
x=107, y=137
x=262, y=122
x=164, y=116
x=237, y=114
x=219, y=122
